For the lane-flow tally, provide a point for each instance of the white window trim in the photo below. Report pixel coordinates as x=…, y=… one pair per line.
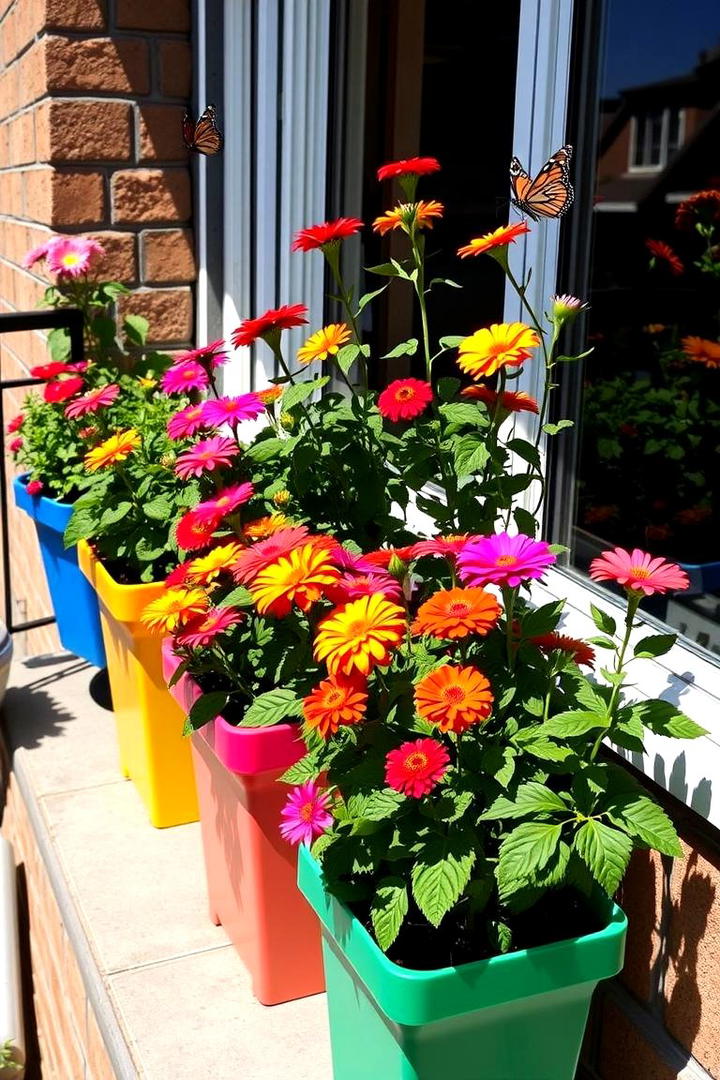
x=664, y=138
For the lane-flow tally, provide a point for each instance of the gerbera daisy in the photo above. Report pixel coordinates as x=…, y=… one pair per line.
x=178, y=576
x=323, y=343
x=92, y=400
x=405, y=399
x=702, y=206
x=218, y=560
x=337, y=701
x=71, y=256
x=188, y=375
x=213, y=355
x=446, y=546
x=186, y=422
x=406, y=216
x=351, y=586
x=231, y=410
x=266, y=552
x=456, y=613
x=512, y=400
x=579, y=650
x=360, y=635
x=330, y=232
x=63, y=389
x=306, y=814
x=639, y=572
x=282, y=318
x=414, y=166
x=261, y=528
x=504, y=560
x=300, y=578
x=454, y=698
x=702, y=351
x=415, y=768
x=224, y=502
x=384, y=556
x=270, y=394
x=489, y=242
x=173, y=608
x=49, y=371
x=15, y=424
x=191, y=532
x=115, y=449
x=494, y=347
x=35, y=255
x=206, y=456
x=660, y=250
x=202, y=630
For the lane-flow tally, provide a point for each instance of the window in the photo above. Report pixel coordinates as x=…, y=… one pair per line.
x=656, y=137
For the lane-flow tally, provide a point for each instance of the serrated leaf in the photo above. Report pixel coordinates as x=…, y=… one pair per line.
x=530, y=798
x=523, y=852
x=136, y=328
x=405, y=348
x=441, y=872
x=82, y=525
x=271, y=708
x=158, y=509
x=655, y=645
x=303, y=770
x=58, y=341
x=239, y=597
x=265, y=449
x=569, y=725
x=113, y=514
x=206, y=708
x=647, y=821
x=554, y=429
x=387, y=269
x=382, y=804
x=543, y=619
x=447, y=388
x=547, y=750
x=664, y=718
x=602, y=620
x=388, y=909
x=298, y=392
x=605, y=851
x=368, y=296
x=347, y=356
x=471, y=455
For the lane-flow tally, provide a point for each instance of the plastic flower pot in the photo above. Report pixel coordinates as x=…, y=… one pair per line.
x=251, y=870
x=153, y=751
x=73, y=598
x=515, y=1017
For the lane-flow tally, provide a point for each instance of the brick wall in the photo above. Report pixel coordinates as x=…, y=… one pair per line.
x=91, y=102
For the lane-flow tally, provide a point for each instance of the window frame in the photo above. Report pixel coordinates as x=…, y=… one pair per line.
x=664, y=140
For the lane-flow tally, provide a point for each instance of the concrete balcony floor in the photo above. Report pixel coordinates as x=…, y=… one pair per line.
x=168, y=990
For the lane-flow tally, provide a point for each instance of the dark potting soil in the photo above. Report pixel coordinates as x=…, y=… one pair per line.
x=419, y=946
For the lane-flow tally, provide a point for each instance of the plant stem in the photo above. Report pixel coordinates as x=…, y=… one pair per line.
x=633, y=604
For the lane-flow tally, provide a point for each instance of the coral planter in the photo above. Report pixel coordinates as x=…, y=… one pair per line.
x=251, y=870
x=515, y=1017
x=153, y=751
x=73, y=599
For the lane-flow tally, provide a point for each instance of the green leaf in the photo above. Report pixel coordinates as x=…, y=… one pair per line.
x=298, y=392
x=664, y=718
x=553, y=429
x=265, y=449
x=602, y=642
x=272, y=707
x=387, y=269
x=605, y=851
x=239, y=597
x=158, y=509
x=462, y=412
x=382, y=804
x=525, y=450
x=303, y=770
x=530, y=798
x=347, y=356
x=441, y=872
x=206, y=708
x=447, y=388
x=499, y=762
x=405, y=348
x=59, y=344
x=568, y=725
x=82, y=525
x=368, y=296
x=523, y=852
x=543, y=619
x=655, y=645
x=451, y=341
x=470, y=454
x=602, y=620
x=525, y=521
x=136, y=329
x=547, y=750
x=644, y=819
x=388, y=909
x=113, y=514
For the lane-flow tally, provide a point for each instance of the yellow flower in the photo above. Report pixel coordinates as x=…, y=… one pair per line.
x=300, y=577
x=146, y=383
x=281, y=498
x=500, y=345
x=263, y=527
x=404, y=216
x=323, y=343
x=173, y=608
x=360, y=635
x=206, y=568
x=118, y=447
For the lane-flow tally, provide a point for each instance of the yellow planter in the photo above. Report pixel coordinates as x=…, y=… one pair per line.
x=153, y=752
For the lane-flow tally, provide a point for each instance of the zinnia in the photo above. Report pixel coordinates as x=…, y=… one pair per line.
x=504, y=560
x=489, y=242
x=360, y=635
x=282, y=318
x=193, y=531
x=323, y=343
x=63, y=389
x=494, y=347
x=580, y=652
x=300, y=578
x=93, y=400
x=659, y=250
x=49, y=371
x=231, y=410
x=351, y=586
x=702, y=351
x=306, y=814
x=415, y=768
x=511, y=400
x=414, y=166
x=337, y=701
x=270, y=394
x=262, y=527
x=405, y=399
x=406, y=216
x=206, y=456
x=203, y=629
x=330, y=232
x=638, y=572
x=265, y=552
x=454, y=698
x=188, y=375
x=114, y=450
x=456, y=613
x=173, y=608
x=219, y=560
x=186, y=422
x=228, y=499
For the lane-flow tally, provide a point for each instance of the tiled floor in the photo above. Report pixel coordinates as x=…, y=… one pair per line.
x=181, y=996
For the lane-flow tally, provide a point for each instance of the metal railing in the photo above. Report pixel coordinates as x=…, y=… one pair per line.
x=70, y=319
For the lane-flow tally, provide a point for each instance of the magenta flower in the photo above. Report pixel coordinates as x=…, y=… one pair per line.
x=34, y=487
x=92, y=401
x=188, y=375
x=227, y=500
x=353, y=586
x=504, y=560
x=37, y=253
x=213, y=354
x=203, y=629
x=206, y=455
x=306, y=814
x=231, y=410
x=15, y=445
x=70, y=256
x=638, y=571
x=186, y=422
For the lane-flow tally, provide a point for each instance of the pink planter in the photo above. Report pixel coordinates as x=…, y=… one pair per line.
x=251, y=870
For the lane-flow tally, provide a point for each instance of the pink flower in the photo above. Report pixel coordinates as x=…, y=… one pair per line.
x=188, y=375
x=35, y=255
x=213, y=354
x=415, y=768
x=256, y=558
x=205, y=628
x=15, y=445
x=63, y=389
x=447, y=546
x=92, y=401
x=306, y=814
x=225, y=501
x=351, y=586
x=405, y=399
x=638, y=572
x=70, y=256
x=191, y=533
x=15, y=424
x=231, y=410
x=205, y=456
x=504, y=560
x=34, y=487
x=186, y=422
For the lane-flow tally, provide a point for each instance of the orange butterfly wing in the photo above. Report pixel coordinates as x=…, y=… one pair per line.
x=550, y=194
x=203, y=137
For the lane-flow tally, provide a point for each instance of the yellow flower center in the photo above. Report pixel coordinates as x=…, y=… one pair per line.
x=71, y=259
x=357, y=629
x=453, y=694
x=639, y=572
x=306, y=811
x=333, y=698
x=506, y=560
x=459, y=608
x=405, y=393
x=416, y=761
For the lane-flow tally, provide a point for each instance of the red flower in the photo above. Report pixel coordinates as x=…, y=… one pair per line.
x=49, y=371
x=192, y=533
x=405, y=399
x=659, y=250
x=34, y=487
x=317, y=236
x=512, y=400
x=415, y=768
x=282, y=318
x=383, y=556
x=179, y=575
x=15, y=445
x=63, y=389
x=15, y=424
x=581, y=652
x=414, y=166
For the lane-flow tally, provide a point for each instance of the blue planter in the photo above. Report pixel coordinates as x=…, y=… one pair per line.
x=73, y=597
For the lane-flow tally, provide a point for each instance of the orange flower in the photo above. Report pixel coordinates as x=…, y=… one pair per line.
x=512, y=400
x=455, y=613
x=660, y=250
x=300, y=577
x=454, y=698
x=338, y=700
x=207, y=568
x=173, y=608
x=115, y=449
x=408, y=215
x=494, y=347
x=360, y=635
x=506, y=234
x=263, y=527
x=580, y=651
x=269, y=394
x=323, y=343
x=702, y=351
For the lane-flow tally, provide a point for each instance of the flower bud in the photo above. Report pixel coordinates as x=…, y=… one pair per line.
x=287, y=421
x=566, y=308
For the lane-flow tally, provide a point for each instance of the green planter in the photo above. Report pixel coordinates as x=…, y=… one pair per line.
x=516, y=1017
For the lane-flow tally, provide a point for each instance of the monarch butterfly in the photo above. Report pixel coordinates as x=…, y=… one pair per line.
x=550, y=194
x=203, y=137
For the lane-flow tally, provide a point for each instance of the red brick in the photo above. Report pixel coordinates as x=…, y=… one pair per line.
x=30, y=19
x=172, y=15
x=118, y=262
x=31, y=74
x=8, y=37
x=624, y=1052
x=21, y=139
x=76, y=14
x=160, y=128
x=175, y=69
x=168, y=311
x=120, y=66
x=167, y=255
x=63, y=197
x=82, y=130
x=148, y=195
